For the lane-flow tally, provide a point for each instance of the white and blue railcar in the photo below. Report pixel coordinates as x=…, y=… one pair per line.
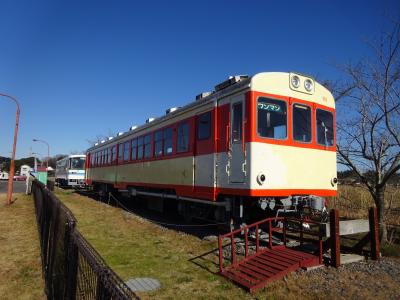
x=70, y=171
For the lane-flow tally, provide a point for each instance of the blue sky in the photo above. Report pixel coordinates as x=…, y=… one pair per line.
x=87, y=68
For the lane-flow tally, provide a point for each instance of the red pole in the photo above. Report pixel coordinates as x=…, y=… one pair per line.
x=374, y=233
x=12, y=163
x=335, y=237
x=233, y=256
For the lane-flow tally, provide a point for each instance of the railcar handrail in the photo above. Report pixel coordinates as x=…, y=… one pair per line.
x=245, y=232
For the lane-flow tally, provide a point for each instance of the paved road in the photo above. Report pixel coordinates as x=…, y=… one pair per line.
x=19, y=186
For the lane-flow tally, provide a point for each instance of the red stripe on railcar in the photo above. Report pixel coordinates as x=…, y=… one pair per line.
x=207, y=193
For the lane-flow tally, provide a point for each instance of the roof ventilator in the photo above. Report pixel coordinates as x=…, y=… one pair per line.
x=171, y=110
x=230, y=81
x=150, y=120
x=203, y=95
x=132, y=128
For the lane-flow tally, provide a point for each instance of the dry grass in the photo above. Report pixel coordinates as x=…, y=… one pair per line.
x=354, y=201
x=20, y=265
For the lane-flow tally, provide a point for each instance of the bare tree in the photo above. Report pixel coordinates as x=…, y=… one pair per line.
x=369, y=118
x=101, y=137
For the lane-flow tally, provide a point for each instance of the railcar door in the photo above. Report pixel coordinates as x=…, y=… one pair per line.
x=237, y=160
x=204, y=163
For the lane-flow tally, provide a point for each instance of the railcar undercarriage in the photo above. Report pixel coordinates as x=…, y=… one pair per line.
x=233, y=211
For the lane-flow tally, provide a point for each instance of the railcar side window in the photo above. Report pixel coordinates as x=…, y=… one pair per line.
x=237, y=112
x=109, y=160
x=324, y=127
x=120, y=152
x=103, y=156
x=140, y=148
x=301, y=123
x=168, y=141
x=158, y=143
x=126, y=151
x=133, y=149
x=204, y=126
x=183, y=138
x=271, y=118
x=147, y=146
x=114, y=153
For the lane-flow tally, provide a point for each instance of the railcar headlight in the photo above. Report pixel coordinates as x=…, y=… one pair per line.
x=308, y=85
x=295, y=81
x=261, y=178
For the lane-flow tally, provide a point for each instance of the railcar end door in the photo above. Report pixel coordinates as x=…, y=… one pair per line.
x=237, y=160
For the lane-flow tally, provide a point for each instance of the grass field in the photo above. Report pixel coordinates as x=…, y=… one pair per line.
x=134, y=247
x=20, y=265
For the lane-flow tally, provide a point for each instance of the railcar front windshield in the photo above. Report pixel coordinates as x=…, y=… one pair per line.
x=77, y=163
x=301, y=123
x=271, y=118
x=325, y=135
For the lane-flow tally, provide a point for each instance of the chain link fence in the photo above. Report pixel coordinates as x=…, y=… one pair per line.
x=72, y=268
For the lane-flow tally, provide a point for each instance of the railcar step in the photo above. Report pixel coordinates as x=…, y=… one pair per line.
x=254, y=272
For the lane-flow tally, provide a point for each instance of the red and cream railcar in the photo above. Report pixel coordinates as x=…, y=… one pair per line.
x=265, y=142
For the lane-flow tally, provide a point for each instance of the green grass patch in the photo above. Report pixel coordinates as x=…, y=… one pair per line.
x=390, y=250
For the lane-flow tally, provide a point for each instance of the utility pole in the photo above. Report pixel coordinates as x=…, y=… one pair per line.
x=12, y=163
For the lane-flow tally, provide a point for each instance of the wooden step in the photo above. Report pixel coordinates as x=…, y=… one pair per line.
x=268, y=265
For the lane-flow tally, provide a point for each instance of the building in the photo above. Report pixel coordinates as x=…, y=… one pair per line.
x=24, y=171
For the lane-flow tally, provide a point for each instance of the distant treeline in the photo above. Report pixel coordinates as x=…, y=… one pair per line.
x=30, y=161
x=5, y=163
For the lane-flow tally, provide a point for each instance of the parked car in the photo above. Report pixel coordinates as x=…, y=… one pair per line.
x=19, y=178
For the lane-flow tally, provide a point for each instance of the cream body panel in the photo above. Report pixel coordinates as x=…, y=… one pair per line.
x=288, y=167
x=205, y=170
x=177, y=171
x=278, y=83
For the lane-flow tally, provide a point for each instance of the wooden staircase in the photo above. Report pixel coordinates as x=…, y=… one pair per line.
x=266, y=264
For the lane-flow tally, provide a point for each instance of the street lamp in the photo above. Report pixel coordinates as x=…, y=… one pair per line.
x=12, y=163
x=35, y=163
x=48, y=151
